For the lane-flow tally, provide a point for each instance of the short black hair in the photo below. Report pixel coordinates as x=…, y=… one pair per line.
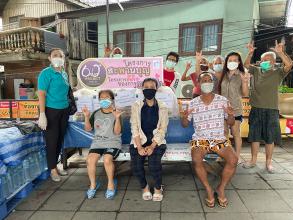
x=173, y=54
x=150, y=80
x=110, y=92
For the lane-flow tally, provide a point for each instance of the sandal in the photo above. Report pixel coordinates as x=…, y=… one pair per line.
x=223, y=203
x=158, y=197
x=210, y=203
x=147, y=196
x=270, y=169
x=248, y=165
x=110, y=194
x=92, y=192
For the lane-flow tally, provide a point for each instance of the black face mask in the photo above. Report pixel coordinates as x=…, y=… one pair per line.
x=149, y=93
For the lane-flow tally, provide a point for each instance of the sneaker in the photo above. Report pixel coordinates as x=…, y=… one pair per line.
x=55, y=178
x=62, y=172
x=92, y=192
x=110, y=194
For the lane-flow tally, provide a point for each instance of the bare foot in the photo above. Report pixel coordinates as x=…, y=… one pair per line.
x=270, y=168
x=157, y=191
x=210, y=194
x=221, y=192
x=146, y=189
x=54, y=172
x=111, y=185
x=93, y=186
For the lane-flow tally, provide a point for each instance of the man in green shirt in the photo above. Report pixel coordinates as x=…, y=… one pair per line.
x=263, y=120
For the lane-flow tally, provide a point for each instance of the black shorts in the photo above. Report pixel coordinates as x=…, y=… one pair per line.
x=239, y=118
x=112, y=151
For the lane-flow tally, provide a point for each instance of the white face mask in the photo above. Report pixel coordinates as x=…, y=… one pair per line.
x=232, y=65
x=170, y=64
x=218, y=67
x=207, y=87
x=57, y=62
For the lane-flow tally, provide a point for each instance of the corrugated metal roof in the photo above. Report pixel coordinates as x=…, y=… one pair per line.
x=113, y=7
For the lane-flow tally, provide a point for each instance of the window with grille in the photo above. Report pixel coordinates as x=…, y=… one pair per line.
x=205, y=36
x=92, y=32
x=130, y=41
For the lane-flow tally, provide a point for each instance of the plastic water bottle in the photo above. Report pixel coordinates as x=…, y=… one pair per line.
x=4, y=186
x=44, y=158
x=31, y=164
x=37, y=161
x=26, y=169
x=34, y=165
x=40, y=160
x=11, y=177
x=1, y=192
x=15, y=171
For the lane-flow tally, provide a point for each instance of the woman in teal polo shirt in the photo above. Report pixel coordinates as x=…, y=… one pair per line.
x=53, y=89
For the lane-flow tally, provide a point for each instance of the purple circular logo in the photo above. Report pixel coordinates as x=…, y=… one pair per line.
x=92, y=73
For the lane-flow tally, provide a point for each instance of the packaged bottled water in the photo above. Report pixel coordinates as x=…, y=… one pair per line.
x=44, y=158
x=1, y=192
x=26, y=169
x=9, y=183
x=4, y=186
x=4, y=190
x=32, y=166
x=37, y=162
x=15, y=171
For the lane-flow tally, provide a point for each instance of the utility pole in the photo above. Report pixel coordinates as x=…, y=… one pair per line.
x=107, y=23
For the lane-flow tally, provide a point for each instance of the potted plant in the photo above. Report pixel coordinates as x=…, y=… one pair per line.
x=286, y=101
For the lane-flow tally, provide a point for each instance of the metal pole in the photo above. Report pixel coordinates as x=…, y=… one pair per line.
x=107, y=24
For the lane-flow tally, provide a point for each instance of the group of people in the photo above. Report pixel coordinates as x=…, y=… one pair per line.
x=215, y=110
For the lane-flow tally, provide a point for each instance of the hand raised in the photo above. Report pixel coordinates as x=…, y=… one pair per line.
x=198, y=55
x=229, y=109
x=250, y=47
x=279, y=47
x=86, y=112
x=188, y=66
x=117, y=113
x=245, y=78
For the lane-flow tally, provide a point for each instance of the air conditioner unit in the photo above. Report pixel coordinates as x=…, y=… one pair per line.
x=186, y=90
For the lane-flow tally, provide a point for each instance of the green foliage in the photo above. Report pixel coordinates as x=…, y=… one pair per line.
x=285, y=89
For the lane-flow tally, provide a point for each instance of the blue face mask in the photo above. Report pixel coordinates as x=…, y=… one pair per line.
x=105, y=103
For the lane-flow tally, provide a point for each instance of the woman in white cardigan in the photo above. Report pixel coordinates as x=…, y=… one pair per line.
x=149, y=122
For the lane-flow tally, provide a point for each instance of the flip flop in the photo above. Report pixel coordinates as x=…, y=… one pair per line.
x=210, y=203
x=248, y=165
x=270, y=170
x=223, y=203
